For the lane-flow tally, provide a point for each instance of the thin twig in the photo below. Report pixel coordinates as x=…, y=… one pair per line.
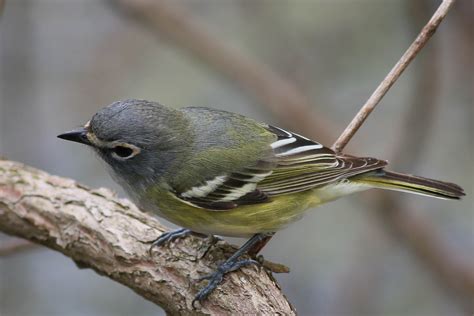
x=393, y=75
x=406, y=152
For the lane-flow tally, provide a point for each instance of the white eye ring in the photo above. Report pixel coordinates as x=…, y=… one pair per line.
x=124, y=151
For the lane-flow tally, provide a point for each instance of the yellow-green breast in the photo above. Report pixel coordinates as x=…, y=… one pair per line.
x=242, y=221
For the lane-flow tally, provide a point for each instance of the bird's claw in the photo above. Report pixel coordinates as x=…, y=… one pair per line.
x=216, y=278
x=167, y=237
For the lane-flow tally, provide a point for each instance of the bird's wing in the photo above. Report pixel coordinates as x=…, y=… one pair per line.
x=295, y=164
x=232, y=189
x=303, y=164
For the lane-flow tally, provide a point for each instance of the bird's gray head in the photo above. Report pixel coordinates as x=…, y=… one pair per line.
x=139, y=139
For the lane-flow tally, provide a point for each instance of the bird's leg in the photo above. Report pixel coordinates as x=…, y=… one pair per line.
x=169, y=236
x=232, y=264
x=269, y=266
x=253, y=252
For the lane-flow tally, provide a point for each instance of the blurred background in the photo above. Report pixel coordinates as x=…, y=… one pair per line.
x=304, y=65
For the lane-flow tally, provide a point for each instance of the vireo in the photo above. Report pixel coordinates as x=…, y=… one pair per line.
x=219, y=173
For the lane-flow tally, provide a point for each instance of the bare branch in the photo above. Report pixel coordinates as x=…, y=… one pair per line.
x=393, y=75
x=110, y=235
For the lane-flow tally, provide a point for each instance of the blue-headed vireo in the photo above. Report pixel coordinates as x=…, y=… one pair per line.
x=219, y=173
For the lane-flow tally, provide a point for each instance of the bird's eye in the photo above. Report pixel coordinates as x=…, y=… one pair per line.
x=124, y=151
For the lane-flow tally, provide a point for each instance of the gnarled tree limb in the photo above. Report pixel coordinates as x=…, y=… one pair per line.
x=111, y=236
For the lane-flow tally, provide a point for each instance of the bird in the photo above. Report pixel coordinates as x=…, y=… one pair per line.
x=214, y=172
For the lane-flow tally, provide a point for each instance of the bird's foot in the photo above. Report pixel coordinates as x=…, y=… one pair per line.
x=169, y=236
x=216, y=278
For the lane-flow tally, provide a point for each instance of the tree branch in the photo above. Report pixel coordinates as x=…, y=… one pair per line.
x=393, y=75
x=111, y=236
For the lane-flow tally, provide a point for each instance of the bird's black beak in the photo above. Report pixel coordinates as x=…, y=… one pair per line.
x=78, y=135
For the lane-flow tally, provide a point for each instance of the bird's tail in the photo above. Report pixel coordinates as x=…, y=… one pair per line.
x=408, y=183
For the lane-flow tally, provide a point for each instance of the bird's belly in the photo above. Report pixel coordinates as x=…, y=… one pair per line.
x=242, y=221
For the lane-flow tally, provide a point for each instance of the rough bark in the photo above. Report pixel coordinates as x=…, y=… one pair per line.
x=111, y=236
